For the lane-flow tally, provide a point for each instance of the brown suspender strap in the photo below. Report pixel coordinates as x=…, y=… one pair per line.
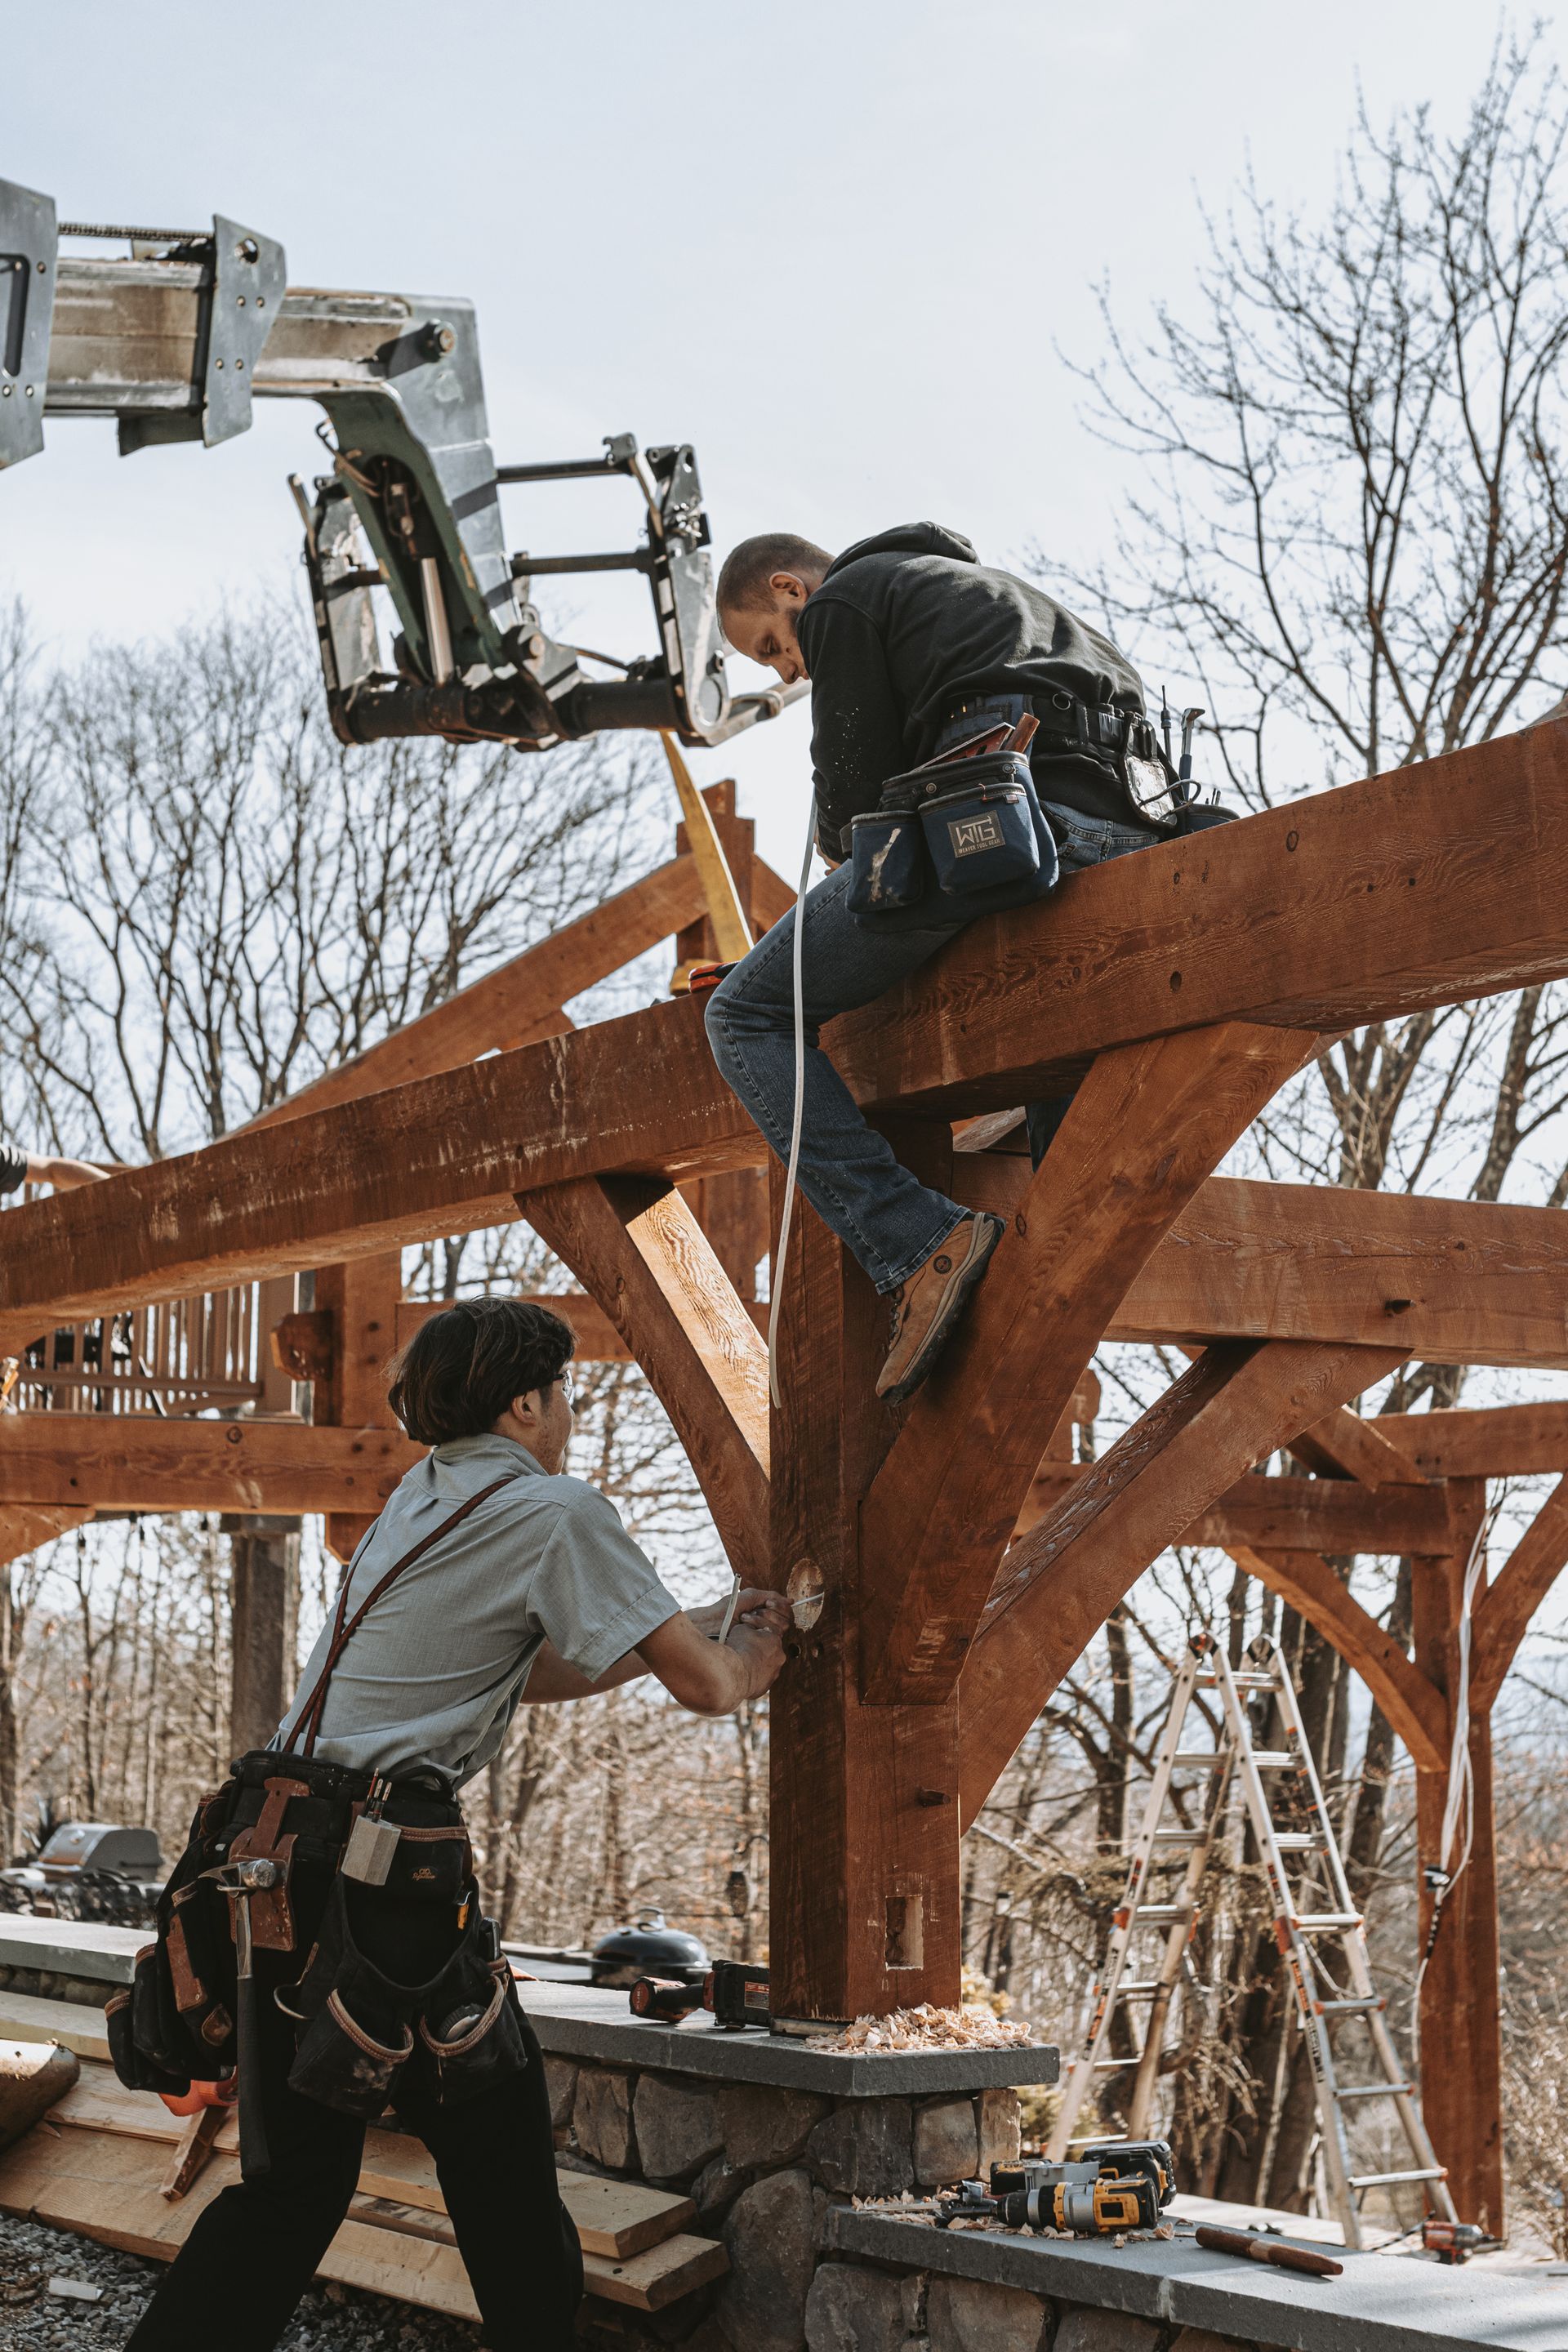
x=308, y=1719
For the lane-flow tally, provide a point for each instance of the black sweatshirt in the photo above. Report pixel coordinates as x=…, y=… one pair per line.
x=908, y=623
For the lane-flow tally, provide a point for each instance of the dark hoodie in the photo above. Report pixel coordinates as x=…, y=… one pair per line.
x=908, y=623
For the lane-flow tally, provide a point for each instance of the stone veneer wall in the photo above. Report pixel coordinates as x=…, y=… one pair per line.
x=765, y=2167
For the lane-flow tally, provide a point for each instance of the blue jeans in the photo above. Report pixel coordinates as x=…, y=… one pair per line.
x=889, y=1222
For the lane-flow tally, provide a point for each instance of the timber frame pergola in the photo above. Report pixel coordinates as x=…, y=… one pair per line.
x=966, y=1560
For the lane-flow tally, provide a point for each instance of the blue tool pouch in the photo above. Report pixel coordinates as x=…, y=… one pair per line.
x=889, y=857
x=950, y=842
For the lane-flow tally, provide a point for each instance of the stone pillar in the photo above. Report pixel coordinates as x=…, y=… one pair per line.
x=264, y=1551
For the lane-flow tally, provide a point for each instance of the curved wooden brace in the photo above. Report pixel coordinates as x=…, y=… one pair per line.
x=22, y=1529
x=1061, y=1581
x=1504, y=1611
x=637, y=1248
x=1148, y=1125
x=1305, y=1582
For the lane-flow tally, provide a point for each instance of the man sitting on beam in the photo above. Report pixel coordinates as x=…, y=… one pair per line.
x=912, y=645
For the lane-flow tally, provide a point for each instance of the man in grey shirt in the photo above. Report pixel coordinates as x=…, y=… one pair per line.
x=490, y=1580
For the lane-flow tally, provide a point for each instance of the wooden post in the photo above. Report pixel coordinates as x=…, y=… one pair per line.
x=1461, y=2036
x=733, y=1208
x=361, y=1298
x=264, y=1601
x=865, y=1854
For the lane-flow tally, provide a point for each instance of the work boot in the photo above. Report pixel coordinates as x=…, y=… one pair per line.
x=927, y=1306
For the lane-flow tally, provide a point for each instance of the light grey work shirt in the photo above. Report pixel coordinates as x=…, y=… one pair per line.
x=435, y=1673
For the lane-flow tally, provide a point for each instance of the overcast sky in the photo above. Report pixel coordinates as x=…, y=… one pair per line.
x=839, y=248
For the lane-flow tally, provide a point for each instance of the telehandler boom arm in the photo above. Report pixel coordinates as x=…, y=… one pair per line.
x=177, y=336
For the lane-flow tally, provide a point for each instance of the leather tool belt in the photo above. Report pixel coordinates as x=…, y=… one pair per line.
x=397, y=1971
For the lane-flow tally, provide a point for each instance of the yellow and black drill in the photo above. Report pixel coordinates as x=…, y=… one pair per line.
x=1116, y=2185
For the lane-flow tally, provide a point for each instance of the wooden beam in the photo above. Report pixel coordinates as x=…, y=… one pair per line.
x=1352, y=905
x=1453, y=1281
x=1503, y=1613
x=1345, y=1443
x=1503, y=1440
x=1346, y=906
x=1462, y=2103
x=1331, y=1515
x=1305, y=1582
x=1059, y=1584
x=636, y=1247
x=128, y=1461
x=517, y=1003
x=443, y=1155
x=1145, y=1130
x=362, y=1298
x=23, y=1528
x=864, y=1847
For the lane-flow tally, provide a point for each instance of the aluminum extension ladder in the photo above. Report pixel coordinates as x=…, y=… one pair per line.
x=1305, y=1935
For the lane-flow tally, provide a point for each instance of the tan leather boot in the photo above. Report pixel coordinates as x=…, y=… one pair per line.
x=927, y=1306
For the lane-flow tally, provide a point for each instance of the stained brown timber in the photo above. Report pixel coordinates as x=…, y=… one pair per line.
x=1503, y=1440
x=92, y=1461
x=1147, y=1126
x=1059, y=1582
x=1348, y=906
x=65, y=1466
x=1305, y=1583
x=1452, y=1281
x=634, y=1244
x=1504, y=1611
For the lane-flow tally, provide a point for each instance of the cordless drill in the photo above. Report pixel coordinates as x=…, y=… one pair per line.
x=1117, y=2185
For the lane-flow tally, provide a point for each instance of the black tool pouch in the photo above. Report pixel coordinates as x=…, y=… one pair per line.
x=133, y=2065
x=458, y=2028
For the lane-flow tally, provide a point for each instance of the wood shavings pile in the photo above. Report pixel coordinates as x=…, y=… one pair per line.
x=973, y=2027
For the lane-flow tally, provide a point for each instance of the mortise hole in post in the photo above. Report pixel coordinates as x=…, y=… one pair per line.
x=905, y=1948
x=806, y=1592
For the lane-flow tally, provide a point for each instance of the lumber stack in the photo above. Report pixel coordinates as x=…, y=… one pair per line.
x=99, y=2163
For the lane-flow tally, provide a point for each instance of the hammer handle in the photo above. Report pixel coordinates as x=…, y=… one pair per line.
x=1266, y=2250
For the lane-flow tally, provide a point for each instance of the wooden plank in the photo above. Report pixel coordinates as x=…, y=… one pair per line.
x=1305, y=1582
x=24, y=2017
x=107, y=2187
x=1060, y=1582
x=136, y=1463
x=508, y=1005
x=361, y=1298
x=865, y=1887
x=1345, y=906
x=1455, y=1281
x=634, y=1246
x=1504, y=1441
x=613, y=2217
x=1349, y=905
x=1503, y=1613
x=1146, y=1128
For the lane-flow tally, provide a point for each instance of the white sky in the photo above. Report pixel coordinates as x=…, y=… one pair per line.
x=835, y=246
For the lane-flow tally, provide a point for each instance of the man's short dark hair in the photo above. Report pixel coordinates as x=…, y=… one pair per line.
x=744, y=582
x=462, y=1369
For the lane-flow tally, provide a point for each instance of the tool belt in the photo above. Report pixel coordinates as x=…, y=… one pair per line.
x=365, y=1928
x=961, y=838
x=1124, y=747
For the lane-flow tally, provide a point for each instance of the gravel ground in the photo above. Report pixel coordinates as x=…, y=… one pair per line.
x=330, y=2319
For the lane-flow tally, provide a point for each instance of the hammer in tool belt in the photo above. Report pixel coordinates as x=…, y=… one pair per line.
x=240, y=1881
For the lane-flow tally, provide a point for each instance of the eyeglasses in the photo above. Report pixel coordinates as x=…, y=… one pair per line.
x=568, y=1387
